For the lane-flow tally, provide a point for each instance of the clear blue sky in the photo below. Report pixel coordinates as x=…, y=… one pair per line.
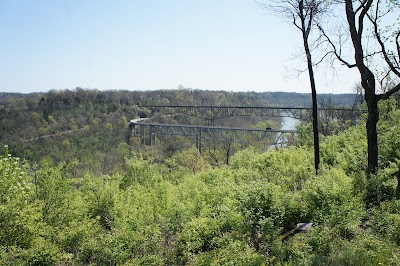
x=158, y=44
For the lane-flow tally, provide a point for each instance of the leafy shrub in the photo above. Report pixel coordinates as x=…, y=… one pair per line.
x=384, y=185
x=260, y=204
x=295, y=210
x=389, y=133
x=364, y=250
x=139, y=171
x=233, y=252
x=15, y=221
x=330, y=200
x=288, y=168
x=191, y=159
x=15, y=183
x=41, y=253
x=386, y=220
x=198, y=235
x=347, y=150
x=73, y=237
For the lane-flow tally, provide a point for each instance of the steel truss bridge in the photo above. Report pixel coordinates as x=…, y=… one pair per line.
x=212, y=113
x=147, y=134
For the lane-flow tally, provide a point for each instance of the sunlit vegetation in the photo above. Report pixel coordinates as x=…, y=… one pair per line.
x=81, y=202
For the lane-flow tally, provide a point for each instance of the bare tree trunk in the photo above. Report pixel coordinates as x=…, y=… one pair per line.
x=228, y=153
x=367, y=82
x=372, y=135
x=304, y=14
x=315, y=117
x=305, y=33
x=314, y=111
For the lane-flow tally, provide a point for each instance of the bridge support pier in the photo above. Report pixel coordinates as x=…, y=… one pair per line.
x=142, y=137
x=152, y=136
x=210, y=122
x=198, y=139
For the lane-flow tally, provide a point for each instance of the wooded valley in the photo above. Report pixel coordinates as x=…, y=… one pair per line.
x=75, y=190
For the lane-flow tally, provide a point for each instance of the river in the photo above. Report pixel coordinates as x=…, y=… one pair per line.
x=289, y=123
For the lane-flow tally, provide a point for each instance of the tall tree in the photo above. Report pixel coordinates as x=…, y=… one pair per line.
x=367, y=23
x=304, y=14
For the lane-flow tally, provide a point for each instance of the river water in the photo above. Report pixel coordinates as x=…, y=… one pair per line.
x=289, y=123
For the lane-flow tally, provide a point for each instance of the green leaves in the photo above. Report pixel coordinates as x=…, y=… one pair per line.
x=139, y=172
x=186, y=212
x=15, y=212
x=14, y=183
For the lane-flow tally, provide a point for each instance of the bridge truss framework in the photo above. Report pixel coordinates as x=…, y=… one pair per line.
x=147, y=133
x=212, y=113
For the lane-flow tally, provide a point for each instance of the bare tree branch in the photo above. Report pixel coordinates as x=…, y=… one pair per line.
x=384, y=77
x=295, y=23
x=398, y=45
x=362, y=15
x=335, y=51
x=322, y=58
x=387, y=94
x=383, y=50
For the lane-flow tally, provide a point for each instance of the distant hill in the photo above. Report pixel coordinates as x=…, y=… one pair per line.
x=197, y=97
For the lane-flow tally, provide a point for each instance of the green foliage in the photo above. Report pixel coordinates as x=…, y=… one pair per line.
x=41, y=253
x=183, y=211
x=305, y=135
x=348, y=150
x=365, y=250
x=191, y=159
x=389, y=137
x=386, y=221
x=263, y=211
x=99, y=195
x=16, y=227
x=51, y=190
x=74, y=237
x=330, y=200
x=15, y=185
x=295, y=210
x=139, y=171
x=16, y=215
x=288, y=168
x=233, y=252
x=323, y=247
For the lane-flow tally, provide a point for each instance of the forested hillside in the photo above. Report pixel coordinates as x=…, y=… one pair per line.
x=85, y=196
x=69, y=125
